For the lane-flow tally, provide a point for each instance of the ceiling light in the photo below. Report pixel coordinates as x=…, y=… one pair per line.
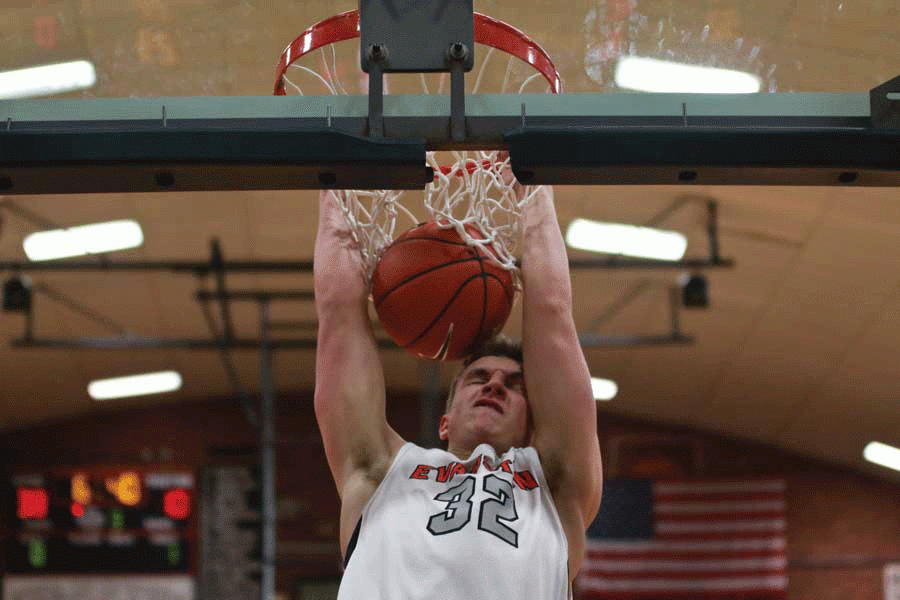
x=627, y=240
x=882, y=454
x=47, y=80
x=653, y=75
x=134, y=385
x=604, y=389
x=84, y=239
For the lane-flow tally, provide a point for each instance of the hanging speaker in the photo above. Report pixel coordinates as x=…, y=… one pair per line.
x=16, y=295
x=695, y=292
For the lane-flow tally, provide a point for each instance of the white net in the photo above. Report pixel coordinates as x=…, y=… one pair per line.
x=479, y=191
x=474, y=192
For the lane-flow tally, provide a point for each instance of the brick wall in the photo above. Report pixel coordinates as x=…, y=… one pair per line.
x=214, y=432
x=842, y=526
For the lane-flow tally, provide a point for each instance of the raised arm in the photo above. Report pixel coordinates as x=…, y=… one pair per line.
x=557, y=376
x=350, y=389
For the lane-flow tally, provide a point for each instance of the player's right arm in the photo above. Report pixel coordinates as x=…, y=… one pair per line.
x=350, y=388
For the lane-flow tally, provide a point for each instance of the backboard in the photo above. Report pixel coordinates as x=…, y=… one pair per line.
x=234, y=143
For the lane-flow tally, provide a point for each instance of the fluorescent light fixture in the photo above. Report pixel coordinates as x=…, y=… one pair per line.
x=134, y=385
x=882, y=454
x=47, y=80
x=604, y=389
x=628, y=240
x=84, y=239
x=654, y=75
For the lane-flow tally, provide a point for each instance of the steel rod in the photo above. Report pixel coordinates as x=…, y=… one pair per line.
x=268, y=521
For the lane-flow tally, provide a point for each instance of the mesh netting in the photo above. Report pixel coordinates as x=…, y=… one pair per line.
x=475, y=191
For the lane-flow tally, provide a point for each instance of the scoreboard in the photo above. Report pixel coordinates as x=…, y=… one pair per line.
x=102, y=520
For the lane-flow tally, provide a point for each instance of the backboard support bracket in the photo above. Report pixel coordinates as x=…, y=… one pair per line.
x=417, y=36
x=885, y=104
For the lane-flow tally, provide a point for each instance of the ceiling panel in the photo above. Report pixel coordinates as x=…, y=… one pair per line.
x=798, y=347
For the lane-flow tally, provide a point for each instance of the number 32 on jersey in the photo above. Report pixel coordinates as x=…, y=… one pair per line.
x=494, y=512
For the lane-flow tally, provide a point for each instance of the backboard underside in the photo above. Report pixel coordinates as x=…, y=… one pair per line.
x=314, y=142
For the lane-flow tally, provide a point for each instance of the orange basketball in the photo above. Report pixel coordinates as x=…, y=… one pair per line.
x=438, y=297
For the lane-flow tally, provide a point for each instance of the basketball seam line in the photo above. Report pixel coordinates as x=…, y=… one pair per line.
x=440, y=240
x=484, y=276
x=501, y=282
x=430, y=239
x=419, y=274
x=510, y=295
x=445, y=309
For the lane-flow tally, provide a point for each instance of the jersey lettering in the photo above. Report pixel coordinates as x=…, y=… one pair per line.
x=477, y=464
x=421, y=472
x=444, y=473
x=525, y=480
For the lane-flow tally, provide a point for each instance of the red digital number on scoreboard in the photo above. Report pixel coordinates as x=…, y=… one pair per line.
x=32, y=503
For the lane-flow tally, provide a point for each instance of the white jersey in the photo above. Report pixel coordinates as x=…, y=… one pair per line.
x=439, y=528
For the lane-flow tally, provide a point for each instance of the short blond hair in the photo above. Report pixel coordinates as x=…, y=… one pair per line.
x=499, y=345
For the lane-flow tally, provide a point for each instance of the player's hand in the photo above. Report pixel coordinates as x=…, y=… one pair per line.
x=331, y=217
x=332, y=220
x=337, y=246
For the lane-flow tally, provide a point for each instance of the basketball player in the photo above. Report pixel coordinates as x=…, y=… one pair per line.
x=502, y=513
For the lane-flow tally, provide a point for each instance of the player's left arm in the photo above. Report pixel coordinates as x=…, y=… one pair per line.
x=556, y=373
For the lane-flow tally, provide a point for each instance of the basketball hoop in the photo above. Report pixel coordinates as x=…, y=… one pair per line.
x=470, y=188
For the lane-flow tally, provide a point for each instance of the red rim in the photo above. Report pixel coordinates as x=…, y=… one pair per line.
x=471, y=166
x=488, y=31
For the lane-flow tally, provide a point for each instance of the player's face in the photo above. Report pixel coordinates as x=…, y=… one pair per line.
x=489, y=405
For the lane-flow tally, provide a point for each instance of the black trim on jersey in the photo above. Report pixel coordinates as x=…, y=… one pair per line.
x=351, y=545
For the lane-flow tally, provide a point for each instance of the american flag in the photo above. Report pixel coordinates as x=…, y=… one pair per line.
x=687, y=539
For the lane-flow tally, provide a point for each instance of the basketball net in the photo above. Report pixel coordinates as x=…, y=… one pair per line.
x=470, y=188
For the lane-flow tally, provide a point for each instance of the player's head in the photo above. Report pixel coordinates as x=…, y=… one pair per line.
x=488, y=402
